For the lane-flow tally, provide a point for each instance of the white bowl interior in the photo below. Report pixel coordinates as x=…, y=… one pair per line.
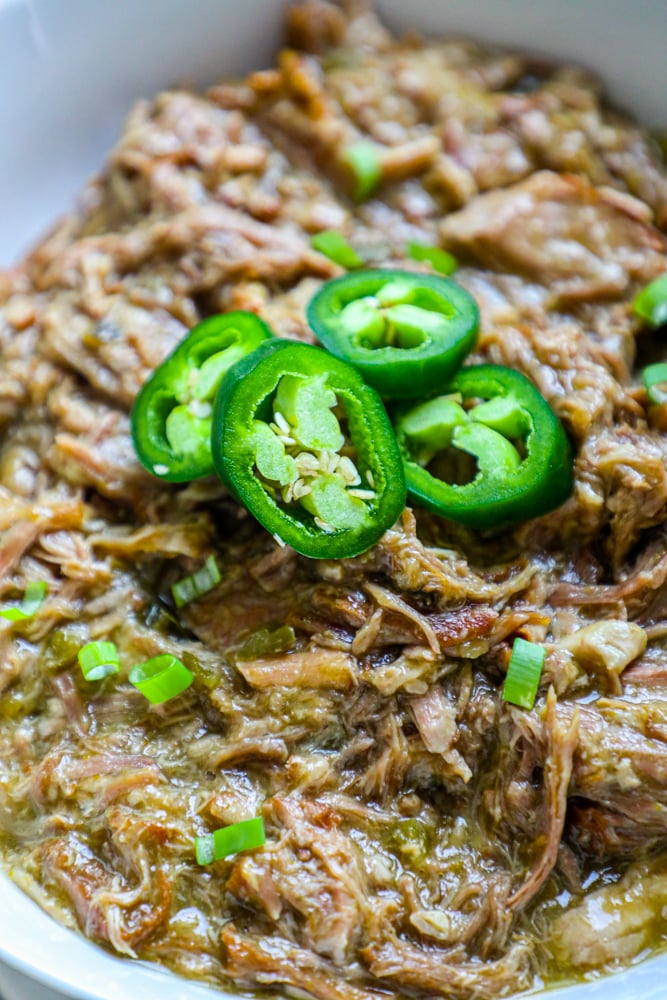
x=68, y=74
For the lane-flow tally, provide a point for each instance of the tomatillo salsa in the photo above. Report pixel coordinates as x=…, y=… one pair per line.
x=521, y=460
x=407, y=333
x=308, y=448
x=171, y=416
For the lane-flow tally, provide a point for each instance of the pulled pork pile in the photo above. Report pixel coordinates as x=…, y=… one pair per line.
x=423, y=836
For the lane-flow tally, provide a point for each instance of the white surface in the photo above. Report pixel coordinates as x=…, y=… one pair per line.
x=69, y=70
x=13, y=987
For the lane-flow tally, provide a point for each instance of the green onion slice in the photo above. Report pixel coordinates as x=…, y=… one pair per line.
x=161, y=678
x=98, y=660
x=523, y=673
x=364, y=162
x=655, y=379
x=229, y=840
x=33, y=598
x=191, y=587
x=651, y=303
x=440, y=260
x=334, y=246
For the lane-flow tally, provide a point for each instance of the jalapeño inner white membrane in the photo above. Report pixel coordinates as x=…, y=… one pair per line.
x=392, y=317
x=188, y=425
x=485, y=431
x=303, y=458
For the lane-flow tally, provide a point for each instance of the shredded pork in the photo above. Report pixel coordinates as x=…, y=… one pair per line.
x=423, y=837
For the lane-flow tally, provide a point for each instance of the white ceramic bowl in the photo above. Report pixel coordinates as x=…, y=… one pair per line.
x=69, y=71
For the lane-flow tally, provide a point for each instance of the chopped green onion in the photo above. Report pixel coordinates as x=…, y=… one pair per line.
x=523, y=673
x=334, y=246
x=161, y=678
x=98, y=660
x=655, y=379
x=651, y=303
x=191, y=587
x=440, y=260
x=364, y=162
x=229, y=840
x=33, y=598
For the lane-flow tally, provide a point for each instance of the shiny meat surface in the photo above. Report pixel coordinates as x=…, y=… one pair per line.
x=424, y=838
